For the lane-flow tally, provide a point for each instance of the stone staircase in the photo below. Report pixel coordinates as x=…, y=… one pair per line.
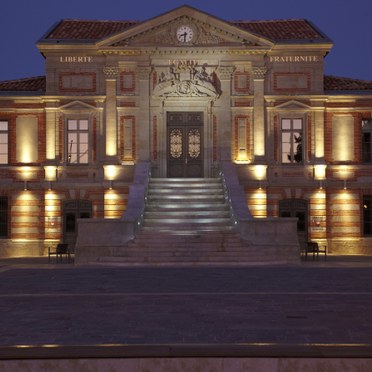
x=187, y=221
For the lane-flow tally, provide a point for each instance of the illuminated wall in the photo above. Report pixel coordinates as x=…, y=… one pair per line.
x=27, y=139
x=26, y=216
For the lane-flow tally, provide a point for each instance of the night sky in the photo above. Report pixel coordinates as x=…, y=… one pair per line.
x=348, y=23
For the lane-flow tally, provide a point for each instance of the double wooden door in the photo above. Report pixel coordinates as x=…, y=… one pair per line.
x=184, y=144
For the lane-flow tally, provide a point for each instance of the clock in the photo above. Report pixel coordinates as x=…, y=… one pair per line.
x=184, y=34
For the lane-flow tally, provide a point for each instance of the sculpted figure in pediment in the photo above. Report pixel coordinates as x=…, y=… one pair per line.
x=187, y=80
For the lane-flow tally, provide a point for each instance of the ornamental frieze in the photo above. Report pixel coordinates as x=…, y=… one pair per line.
x=187, y=80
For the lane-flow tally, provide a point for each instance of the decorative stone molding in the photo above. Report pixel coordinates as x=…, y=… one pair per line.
x=111, y=72
x=259, y=73
x=143, y=72
x=225, y=72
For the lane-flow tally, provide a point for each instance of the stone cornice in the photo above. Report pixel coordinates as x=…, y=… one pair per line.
x=183, y=51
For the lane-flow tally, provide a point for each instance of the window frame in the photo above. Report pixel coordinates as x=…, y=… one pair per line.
x=79, y=133
x=292, y=130
x=6, y=143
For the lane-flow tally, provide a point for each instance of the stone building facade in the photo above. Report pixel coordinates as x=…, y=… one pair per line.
x=185, y=91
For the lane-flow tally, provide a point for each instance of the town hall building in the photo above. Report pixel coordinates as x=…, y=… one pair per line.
x=185, y=95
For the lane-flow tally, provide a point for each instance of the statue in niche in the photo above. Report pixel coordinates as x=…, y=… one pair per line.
x=187, y=80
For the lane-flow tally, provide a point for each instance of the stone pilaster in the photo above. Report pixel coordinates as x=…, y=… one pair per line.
x=223, y=112
x=111, y=73
x=259, y=112
x=143, y=145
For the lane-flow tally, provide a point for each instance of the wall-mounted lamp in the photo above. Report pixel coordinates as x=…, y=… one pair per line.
x=345, y=187
x=50, y=185
x=25, y=185
x=320, y=184
x=111, y=183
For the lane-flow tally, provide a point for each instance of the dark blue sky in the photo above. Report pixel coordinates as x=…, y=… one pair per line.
x=347, y=22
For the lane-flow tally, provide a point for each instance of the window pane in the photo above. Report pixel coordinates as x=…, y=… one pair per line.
x=83, y=124
x=297, y=124
x=83, y=137
x=3, y=159
x=83, y=159
x=72, y=124
x=4, y=138
x=286, y=124
x=3, y=125
x=72, y=137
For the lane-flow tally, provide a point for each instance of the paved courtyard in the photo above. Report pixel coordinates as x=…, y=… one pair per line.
x=310, y=309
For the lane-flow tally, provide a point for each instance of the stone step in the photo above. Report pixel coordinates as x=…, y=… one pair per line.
x=189, y=229
x=170, y=198
x=186, y=214
x=187, y=206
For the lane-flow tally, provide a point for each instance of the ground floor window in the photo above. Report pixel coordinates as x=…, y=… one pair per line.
x=3, y=216
x=367, y=215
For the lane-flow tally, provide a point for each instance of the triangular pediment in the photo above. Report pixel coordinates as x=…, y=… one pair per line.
x=77, y=106
x=184, y=26
x=293, y=105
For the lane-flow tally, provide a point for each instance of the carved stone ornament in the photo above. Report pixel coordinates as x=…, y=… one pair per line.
x=187, y=80
x=225, y=72
x=111, y=72
x=259, y=73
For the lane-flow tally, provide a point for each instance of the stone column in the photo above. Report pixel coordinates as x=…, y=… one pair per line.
x=259, y=113
x=223, y=111
x=111, y=73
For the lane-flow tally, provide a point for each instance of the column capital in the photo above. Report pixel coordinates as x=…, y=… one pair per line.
x=259, y=73
x=111, y=72
x=225, y=72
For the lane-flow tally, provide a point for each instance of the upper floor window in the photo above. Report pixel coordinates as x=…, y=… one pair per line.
x=367, y=215
x=291, y=130
x=3, y=142
x=77, y=141
x=366, y=141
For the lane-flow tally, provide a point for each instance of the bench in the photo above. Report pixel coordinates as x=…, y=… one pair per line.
x=60, y=251
x=314, y=249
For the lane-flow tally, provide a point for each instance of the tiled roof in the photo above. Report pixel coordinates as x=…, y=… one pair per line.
x=285, y=30
x=341, y=83
x=279, y=30
x=33, y=84
x=72, y=29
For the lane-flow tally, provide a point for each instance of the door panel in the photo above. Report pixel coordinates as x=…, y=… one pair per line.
x=184, y=144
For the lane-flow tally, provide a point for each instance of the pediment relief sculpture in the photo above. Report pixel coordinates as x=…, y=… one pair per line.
x=183, y=31
x=187, y=80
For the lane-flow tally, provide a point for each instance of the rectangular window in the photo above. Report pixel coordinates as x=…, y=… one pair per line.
x=367, y=215
x=366, y=141
x=291, y=130
x=3, y=142
x=78, y=141
x=3, y=216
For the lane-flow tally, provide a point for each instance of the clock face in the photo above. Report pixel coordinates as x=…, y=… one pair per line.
x=184, y=34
